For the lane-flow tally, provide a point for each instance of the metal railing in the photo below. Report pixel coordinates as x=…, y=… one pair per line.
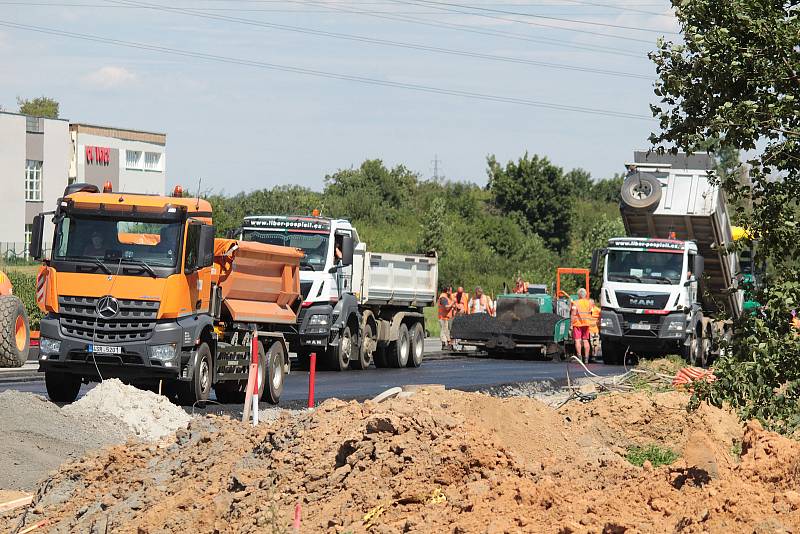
x=16, y=253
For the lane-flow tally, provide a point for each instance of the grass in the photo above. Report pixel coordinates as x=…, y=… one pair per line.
x=657, y=455
x=20, y=268
x=432, y=321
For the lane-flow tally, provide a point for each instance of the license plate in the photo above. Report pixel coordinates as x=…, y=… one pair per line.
x=640, y=326
x=104, y=349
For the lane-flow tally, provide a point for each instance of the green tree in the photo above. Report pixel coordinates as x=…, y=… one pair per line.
x=735, y=78
x=607, y=189
x=538, y=190
x=41, y=106
x=433, y=226
x=581, y=184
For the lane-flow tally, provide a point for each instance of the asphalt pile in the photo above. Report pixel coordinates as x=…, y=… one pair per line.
x=481, y=326
x=440, y=461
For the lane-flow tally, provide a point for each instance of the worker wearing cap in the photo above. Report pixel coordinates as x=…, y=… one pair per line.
x=447, y=306
x=581, y=320
x=594, y=330
x=462, y=301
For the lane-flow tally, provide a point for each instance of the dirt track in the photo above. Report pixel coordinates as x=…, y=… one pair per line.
x=439, y=462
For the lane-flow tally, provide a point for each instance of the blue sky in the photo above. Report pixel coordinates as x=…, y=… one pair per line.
x=240, y=127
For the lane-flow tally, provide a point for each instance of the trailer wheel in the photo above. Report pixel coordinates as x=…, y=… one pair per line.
x=198, y=389
x=366, y=349
x=14, y=333
x=339, y=356
x=275, y=358
x=399, y=350
x=641, y=191
x=417, y=345
x=62, y=387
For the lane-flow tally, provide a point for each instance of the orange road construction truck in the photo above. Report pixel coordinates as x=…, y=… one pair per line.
x=137, y=288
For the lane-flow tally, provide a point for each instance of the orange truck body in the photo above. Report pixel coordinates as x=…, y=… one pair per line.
x=196, y=305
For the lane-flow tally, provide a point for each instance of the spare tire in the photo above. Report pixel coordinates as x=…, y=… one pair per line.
x=14, y=332
x=641, y=191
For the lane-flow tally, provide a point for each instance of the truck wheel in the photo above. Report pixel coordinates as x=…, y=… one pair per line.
x=366, y=349
x=198, y=389
x=417, y=345
x=641, y=191
x=14, y=333
x=613, y=353
x=399, y=350
x=381, y=356
x=230, y=392
x=276, y=356
x=62, y=387
x=339, y=356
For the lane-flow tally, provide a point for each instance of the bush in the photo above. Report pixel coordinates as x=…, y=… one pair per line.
x=657, y=455
x=25, y=288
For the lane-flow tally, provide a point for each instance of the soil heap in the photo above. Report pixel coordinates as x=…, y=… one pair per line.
x=440, y=461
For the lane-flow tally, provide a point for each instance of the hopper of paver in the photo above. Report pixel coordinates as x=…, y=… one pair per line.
x=257, y=283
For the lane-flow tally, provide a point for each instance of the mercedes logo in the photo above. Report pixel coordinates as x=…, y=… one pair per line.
x=107, y=307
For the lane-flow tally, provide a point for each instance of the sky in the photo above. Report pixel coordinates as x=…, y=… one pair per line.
x=259, y=93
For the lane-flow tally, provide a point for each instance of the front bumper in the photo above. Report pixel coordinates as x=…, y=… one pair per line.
x=314, y=336
x=135, y=361
x=645, y=332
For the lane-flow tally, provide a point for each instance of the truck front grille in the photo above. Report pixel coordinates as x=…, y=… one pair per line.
x=638, y=318
x=134, y=322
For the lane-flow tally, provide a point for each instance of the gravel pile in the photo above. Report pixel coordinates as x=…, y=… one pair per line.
x=148, y=416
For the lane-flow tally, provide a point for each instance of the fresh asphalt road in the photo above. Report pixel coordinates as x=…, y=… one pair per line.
x=462, y=372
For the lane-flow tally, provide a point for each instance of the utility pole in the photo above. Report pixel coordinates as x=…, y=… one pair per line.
x=435, y=162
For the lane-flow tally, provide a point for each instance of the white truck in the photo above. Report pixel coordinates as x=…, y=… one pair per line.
x=670, y=286
x=357, y=307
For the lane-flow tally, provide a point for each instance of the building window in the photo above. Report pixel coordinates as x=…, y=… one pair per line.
x=34, y=124
x=152, y=161
x=133, y=159
x=33, y=180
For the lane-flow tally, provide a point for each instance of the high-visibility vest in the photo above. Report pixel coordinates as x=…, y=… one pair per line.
x=582, y=313
x=445, y=312
x=479, y=305
x=521, y=289
x=594, y=328
x=462, y=305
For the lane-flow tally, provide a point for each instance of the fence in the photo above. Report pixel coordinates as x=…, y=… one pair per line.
x=16, y=253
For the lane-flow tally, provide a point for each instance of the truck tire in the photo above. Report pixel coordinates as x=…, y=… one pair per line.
x=276, y=356
x=198, y=389
x=417, y=345
x=400, y=350
x=364, y=354
x=14, y=332
x=381, y=357
x=62, y=387
x=233, y=392
x=613, y=353
x=641, y=191
x=339, y=356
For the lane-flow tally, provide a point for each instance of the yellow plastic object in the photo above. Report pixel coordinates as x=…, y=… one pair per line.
x=740, y=232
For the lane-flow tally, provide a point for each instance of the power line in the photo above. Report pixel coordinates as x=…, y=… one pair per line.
x=325, y=74
x=620, y=8
x=382, y=42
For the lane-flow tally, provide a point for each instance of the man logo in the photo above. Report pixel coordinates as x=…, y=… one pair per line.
x=643, y=302
x=107, y=307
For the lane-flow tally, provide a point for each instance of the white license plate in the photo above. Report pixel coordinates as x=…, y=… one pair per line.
x=640, y=326
x=104, y=349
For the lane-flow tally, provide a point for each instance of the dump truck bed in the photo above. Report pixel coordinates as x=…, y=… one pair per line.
x=395, y=279
x=260, y=283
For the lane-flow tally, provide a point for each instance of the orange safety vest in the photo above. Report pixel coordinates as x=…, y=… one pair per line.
x=445, y=312
x=521, y=289
x=462, y=306
x=582, y=311
x=594, y=328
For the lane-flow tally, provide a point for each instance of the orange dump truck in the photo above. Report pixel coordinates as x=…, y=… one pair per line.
x=137, y=288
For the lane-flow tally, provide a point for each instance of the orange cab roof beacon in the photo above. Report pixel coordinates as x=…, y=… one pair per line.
x=178, y=191
x=107, y=186
x=315, y=212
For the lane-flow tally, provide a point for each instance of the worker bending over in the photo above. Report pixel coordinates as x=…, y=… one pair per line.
x=581, y=319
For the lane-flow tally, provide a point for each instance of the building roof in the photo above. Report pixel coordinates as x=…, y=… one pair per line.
x=4, y=112
x=119, y=133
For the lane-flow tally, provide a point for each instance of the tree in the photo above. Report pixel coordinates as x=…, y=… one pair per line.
x=735, y=78
x=581, y=183
x=41, y=106
x=433, y=226
x=538, y=190
x=607, y=190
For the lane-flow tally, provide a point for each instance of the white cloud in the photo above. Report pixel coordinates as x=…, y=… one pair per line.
x=110, y=77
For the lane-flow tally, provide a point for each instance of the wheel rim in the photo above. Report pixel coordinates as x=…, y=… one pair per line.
x=277, y=375
x=404, y=349
x=418, y=346
x=344, y=349
x=205, y=377
x=260, y=375
x=20, y=334
x=366, y=346
x=641, y=190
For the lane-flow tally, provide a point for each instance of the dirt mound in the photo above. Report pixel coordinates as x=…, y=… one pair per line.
x=148, y=416
x=437, y=462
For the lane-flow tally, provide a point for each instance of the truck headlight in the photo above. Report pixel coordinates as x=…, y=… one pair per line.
x=606, y=322
x=49, y=346
x=318, y=320
x=676, y=325
x=163, y=352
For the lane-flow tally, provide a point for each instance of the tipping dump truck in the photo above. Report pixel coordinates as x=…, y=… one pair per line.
x=14, y=329
x=138, y=288
x=358, y=307
x=671, y=283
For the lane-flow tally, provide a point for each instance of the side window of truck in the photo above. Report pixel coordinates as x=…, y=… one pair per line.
x=192, y=242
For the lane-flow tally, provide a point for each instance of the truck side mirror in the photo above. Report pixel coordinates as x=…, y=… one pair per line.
x=37, y=234
x=205, y=248
x=699, y=266
x=597, y=255
x=347, y=250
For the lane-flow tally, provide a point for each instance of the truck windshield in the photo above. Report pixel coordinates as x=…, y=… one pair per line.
x=644, y=267
x=96, y=239
x=313, y=245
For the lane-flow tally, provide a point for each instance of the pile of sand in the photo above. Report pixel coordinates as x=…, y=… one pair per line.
x=438, y=462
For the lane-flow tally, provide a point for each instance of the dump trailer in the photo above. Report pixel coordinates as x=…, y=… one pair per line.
x=137, y=288
x=358, y=307
x=14, y=329
x=671, y=285
x=524, y=324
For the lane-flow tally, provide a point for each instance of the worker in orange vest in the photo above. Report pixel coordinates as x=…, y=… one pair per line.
x=480, y=303
x=795, y=320
x=521, y=287
x=447, y=305
x=462, y=301
x=581, y=320
x=594, y=330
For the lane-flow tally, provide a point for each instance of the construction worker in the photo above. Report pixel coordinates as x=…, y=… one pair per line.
x=594, y=330
x=521, y=287
x=795, y=320
x=480, y=303
x=447, y=306
x=581, y=320
x=462, y=302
